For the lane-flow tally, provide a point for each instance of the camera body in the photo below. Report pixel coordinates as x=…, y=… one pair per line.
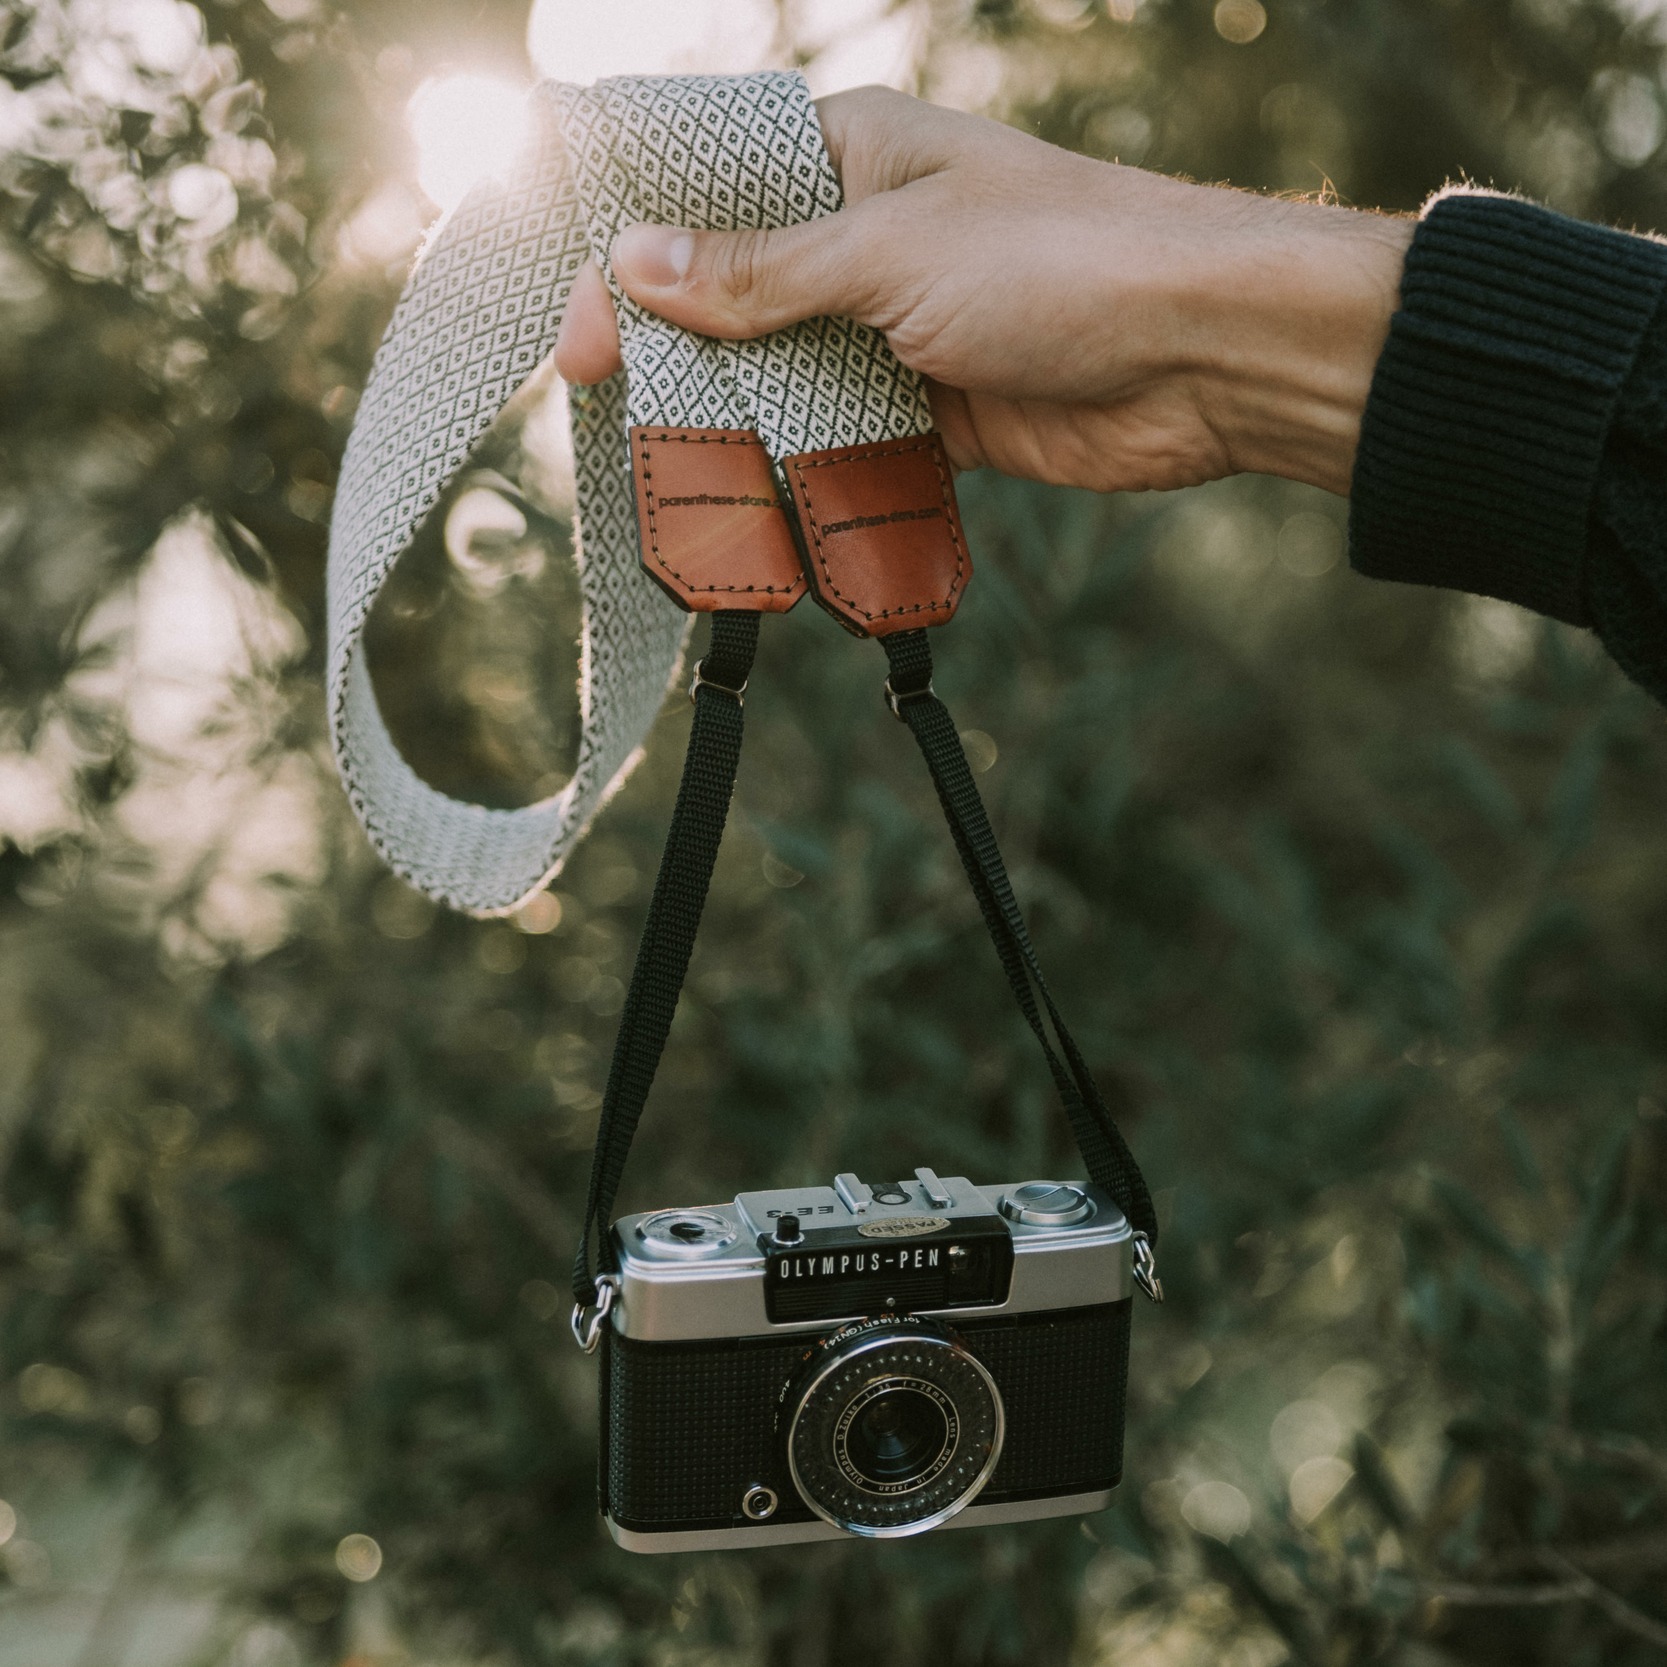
x=871, y=1360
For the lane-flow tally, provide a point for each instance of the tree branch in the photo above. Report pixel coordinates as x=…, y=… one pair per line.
x=1572, y=1587
x=1464, y=1596
x=1628, y=1551
x=1613, y=1604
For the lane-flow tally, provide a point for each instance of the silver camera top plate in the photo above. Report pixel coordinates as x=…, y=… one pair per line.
x=700, y=1272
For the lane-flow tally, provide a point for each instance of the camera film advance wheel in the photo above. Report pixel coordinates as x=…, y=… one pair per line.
x=893, y=1427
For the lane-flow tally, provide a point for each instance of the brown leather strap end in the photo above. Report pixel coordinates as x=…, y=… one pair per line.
x=713, y=532
x=884, y=550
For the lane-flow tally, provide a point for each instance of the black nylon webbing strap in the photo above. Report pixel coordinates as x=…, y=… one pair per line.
x=680, y=896
x=674, y=911
x=1105, y=1152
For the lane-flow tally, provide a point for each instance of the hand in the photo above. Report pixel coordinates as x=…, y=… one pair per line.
x=1077, y=321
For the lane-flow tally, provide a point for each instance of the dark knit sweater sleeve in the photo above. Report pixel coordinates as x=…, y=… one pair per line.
x=1515, y=440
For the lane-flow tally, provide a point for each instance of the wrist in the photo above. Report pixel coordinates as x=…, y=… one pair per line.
x=1287, y=326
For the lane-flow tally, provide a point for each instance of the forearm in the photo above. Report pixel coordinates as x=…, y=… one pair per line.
x=1077, y=321
x=1291, y=323
x=1100, y=326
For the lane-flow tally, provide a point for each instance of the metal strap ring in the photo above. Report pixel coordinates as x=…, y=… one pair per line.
x=587, y=1322
x=1146, y=1268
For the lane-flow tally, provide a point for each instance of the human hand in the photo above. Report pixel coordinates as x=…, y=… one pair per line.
x=1076, y=321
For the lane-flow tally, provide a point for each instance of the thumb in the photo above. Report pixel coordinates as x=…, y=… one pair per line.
x=739, y=284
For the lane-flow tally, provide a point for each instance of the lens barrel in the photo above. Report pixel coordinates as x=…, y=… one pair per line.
x=895, y=1436
x=893, y=1427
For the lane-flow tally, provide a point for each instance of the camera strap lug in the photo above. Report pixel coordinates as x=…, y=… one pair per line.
x=588, y=1319
x=1146, y=1268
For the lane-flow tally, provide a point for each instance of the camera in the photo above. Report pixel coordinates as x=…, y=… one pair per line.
x=873, y=1360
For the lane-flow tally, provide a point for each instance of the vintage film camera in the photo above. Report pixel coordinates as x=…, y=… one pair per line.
x=869, y=1360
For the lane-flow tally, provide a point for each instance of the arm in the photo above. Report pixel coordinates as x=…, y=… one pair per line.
x=1078, y=322
x=1489, y=382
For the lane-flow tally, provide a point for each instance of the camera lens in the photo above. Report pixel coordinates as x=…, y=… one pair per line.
x=892, y=1439
x=894, y=1426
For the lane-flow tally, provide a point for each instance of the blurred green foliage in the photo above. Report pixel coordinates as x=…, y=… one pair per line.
x=1353, y=895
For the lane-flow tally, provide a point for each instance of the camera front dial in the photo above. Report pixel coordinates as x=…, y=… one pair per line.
x=894, y=1426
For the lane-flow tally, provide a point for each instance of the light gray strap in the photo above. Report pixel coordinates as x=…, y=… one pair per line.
x=478, y=316
x=725, y=154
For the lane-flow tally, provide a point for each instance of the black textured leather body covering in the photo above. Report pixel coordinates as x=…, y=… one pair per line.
x=688, y=1427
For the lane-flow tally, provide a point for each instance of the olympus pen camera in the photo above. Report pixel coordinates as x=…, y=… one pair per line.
x=875, y=1360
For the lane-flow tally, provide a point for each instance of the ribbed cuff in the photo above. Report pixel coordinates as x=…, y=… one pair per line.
x=1492, y=399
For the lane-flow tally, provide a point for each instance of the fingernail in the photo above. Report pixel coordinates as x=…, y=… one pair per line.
x=657, y=257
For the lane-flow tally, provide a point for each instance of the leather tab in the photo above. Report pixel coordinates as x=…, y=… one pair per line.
x=883, y=545
x=712, y=531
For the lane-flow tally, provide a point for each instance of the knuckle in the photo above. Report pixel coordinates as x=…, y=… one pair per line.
x=879, y=282
x=739, y=265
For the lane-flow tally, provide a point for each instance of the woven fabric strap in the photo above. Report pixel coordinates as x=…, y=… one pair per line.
x=477, y=318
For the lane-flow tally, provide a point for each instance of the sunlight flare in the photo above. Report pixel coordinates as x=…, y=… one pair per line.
x=465, y=127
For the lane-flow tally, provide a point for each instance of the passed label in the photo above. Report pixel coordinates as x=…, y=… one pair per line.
x=903, y=1227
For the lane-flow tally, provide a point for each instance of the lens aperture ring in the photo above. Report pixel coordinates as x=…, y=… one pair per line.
x=883, y=1450
x=895, y=1426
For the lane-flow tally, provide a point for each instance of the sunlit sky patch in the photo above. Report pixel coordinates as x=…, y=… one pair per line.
x=578, y=40
x=466, y=125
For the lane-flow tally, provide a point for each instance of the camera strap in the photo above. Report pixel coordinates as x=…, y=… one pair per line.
x=478, y=317
x=1105, y=1152
x=723, y=477
x=718, y=692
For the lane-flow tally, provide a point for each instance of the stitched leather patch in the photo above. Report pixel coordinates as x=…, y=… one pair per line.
x=883, y=545
x=712, y=530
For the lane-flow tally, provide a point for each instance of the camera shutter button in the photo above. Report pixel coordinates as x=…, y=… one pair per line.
x=1046, y=1204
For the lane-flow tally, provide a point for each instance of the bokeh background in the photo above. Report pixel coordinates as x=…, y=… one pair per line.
x=1355, y=894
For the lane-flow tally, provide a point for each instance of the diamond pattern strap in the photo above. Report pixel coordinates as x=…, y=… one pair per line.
x=478, y=316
